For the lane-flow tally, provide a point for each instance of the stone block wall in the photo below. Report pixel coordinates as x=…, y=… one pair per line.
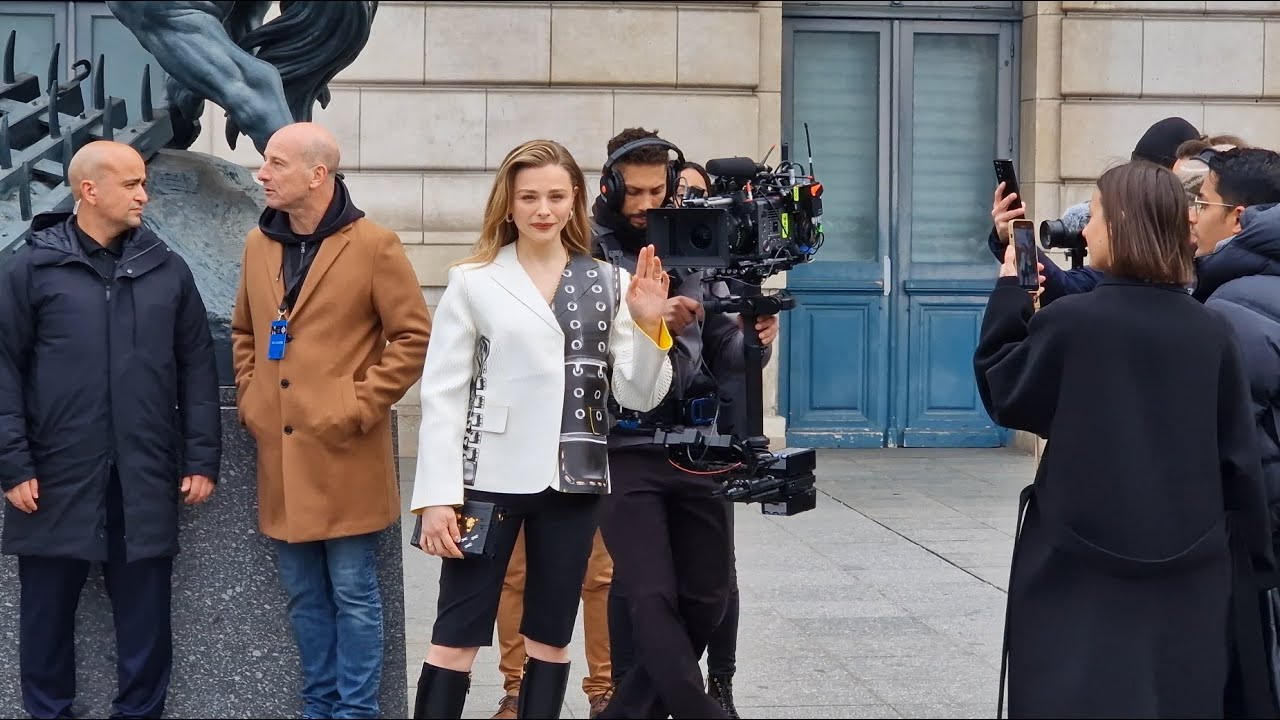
x=1096, y=74
x=444, y=89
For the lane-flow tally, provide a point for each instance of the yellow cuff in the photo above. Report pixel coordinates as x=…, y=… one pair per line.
x=663, y=341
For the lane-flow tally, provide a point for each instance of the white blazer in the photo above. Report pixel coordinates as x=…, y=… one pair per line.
x=517, y=443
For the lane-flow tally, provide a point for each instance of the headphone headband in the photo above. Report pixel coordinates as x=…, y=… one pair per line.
x=612, y=189
x=642, y=142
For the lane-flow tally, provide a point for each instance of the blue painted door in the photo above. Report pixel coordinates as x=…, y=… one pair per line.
x=904, y=118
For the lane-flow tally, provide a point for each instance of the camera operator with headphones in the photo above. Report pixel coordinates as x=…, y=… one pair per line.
x=668, y=533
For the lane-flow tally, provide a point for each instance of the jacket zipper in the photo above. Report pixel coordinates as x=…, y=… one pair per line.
x=111, y=406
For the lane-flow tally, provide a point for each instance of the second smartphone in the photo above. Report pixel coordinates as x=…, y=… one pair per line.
x=1024, y=253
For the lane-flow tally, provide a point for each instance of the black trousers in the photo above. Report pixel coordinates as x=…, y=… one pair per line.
x=140, y=593
x=722, y=649
x=670, y=542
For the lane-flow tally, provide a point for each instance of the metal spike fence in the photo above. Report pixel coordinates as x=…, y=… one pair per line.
x=40, y=130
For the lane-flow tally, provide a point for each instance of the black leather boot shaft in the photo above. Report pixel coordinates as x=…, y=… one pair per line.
x=542, y=689
x=441, y=693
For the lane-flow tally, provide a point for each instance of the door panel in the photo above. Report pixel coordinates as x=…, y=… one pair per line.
x=843, y=116
x=835, y=344
x=840, y=384
x=953, y=114
x=953, y=140
x=943, y=396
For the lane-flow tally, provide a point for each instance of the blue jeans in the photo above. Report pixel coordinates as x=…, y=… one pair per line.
x=336, y=610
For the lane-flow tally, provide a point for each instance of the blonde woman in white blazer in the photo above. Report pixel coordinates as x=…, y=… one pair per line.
x=530, y=337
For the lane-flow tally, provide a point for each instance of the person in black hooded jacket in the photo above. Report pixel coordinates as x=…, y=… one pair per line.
x=1240, y=281
x=108, y=417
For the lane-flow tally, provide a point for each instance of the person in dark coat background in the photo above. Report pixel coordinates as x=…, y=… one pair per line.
x=1147, y=515
x=109, y=420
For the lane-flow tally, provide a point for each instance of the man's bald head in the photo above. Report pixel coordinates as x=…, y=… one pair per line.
x=312, y=142
x=109, y=183
x=99, y=158
x=299, y=160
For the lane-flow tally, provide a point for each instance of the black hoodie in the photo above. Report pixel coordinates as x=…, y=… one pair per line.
x=300, y=250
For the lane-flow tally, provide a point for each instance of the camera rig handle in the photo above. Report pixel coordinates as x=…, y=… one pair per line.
x=1076, y=255
x=751, y=306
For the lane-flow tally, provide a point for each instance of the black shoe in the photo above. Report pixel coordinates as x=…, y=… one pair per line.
x=542, y=689
x=720, y=688
x=441, y=693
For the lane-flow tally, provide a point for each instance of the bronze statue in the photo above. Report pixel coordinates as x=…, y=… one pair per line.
x=264, y=75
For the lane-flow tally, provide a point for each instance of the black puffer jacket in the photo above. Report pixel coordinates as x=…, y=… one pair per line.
x=1241, y=282
x=98, y=372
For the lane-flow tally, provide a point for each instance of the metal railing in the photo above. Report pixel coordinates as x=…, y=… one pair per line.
x=40, y=132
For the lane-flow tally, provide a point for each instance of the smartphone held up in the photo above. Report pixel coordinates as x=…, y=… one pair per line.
x=1006, y=174
x=1023, y=234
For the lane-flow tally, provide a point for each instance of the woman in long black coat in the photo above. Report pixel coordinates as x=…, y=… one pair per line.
x=1148, y=508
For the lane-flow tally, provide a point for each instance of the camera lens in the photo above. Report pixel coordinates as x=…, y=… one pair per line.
x=701, y=237
x=1048, y=232
x=1054, y=235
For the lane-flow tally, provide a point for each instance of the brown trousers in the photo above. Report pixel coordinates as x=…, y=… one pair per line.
x=595, y=619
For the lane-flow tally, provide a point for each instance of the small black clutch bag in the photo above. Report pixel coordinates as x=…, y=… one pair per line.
x=476, y=519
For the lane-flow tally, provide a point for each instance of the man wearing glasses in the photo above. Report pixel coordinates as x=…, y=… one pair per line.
x=1191, y=168
x=1237, y=227
x=1236, y=179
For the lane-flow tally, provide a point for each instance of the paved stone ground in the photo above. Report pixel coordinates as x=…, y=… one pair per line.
x=885, y=601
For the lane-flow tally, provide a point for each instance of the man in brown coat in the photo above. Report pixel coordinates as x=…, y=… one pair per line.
x=330, y=329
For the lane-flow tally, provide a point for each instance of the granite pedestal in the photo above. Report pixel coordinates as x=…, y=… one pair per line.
x=234, y=651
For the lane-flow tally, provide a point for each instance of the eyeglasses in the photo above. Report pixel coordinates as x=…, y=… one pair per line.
x=1198, y=205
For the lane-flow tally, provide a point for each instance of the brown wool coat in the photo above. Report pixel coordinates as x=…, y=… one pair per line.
x=321, y=415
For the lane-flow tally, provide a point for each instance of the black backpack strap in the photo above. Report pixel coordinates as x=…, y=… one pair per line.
x=608, y=249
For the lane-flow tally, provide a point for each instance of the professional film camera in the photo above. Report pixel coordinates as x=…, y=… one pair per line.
x=754, y=222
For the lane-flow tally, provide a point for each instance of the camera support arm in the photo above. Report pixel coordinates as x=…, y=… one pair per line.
x=751, y=305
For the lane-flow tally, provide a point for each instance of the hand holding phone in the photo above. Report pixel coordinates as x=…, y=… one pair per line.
x=1024, y=254
x=1005, y=174
x=1007, y=204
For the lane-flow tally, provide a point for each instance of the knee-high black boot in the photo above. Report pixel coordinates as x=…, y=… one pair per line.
x=542, y=689
x=441, y=693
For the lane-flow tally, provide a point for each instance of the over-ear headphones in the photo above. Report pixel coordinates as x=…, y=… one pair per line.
x=612, y=187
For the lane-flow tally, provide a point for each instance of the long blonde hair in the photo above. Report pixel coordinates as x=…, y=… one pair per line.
x=496, y=232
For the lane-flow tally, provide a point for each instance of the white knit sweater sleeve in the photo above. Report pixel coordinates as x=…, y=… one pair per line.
x=446, y=386
x=641, y=369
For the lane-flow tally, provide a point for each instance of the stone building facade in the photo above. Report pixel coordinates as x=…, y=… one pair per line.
x=878, y=353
